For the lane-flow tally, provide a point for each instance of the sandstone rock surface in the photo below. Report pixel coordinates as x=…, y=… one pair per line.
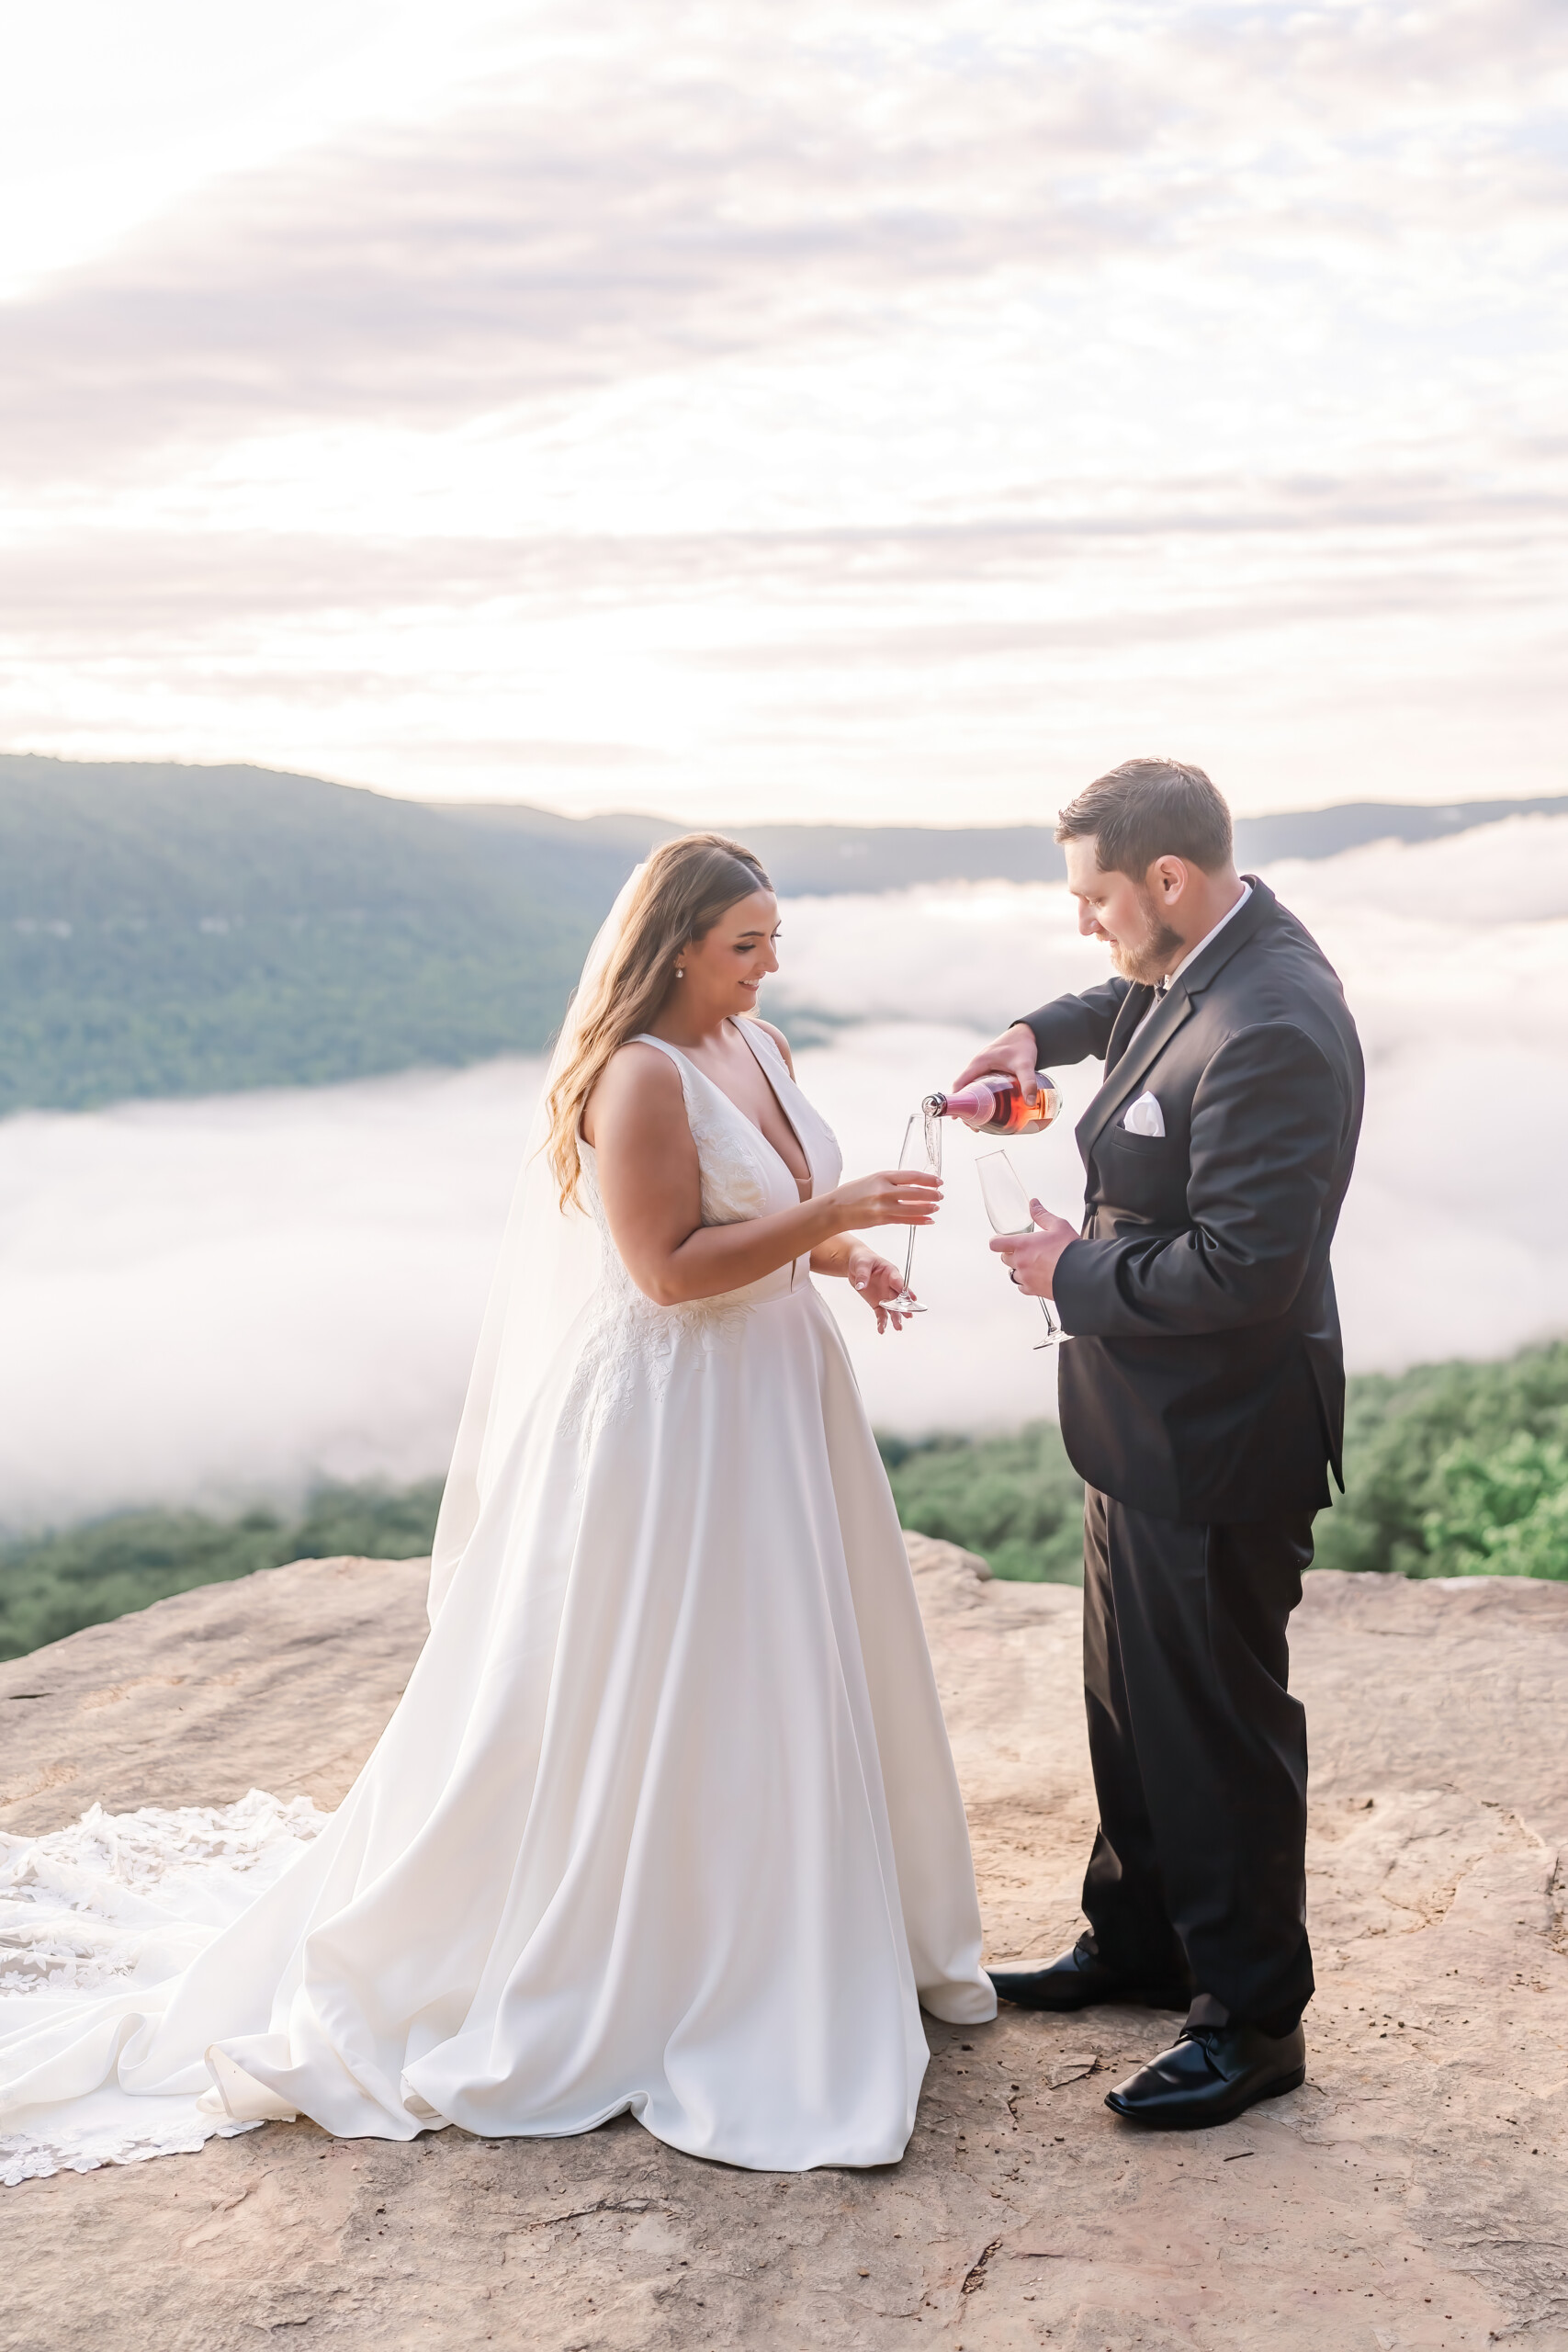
x=1412, y=2194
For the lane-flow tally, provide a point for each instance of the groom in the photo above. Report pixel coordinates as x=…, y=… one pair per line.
x=1203, y=1400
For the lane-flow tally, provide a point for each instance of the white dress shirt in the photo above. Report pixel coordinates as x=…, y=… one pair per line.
x=1193, y=952
x=1229, y=913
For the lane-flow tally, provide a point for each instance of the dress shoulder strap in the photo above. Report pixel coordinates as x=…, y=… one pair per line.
x=676, y=1056
x=686, y=1070
x=763, y=1045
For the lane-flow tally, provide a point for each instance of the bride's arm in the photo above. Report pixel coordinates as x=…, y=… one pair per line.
x=876, y=1277
x=650, y=1182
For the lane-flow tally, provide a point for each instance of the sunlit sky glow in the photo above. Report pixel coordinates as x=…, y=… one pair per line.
x=856, y=410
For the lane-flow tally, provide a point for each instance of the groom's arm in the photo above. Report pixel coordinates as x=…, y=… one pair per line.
x=1076, y=1028
x=1268, y=1127
x=1072, y=1029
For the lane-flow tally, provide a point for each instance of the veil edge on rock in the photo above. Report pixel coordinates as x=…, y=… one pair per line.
x=545, y=1276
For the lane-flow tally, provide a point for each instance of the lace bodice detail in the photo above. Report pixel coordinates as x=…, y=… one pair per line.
x=729, y=1154
x=631, y=1342
x=742, y=1175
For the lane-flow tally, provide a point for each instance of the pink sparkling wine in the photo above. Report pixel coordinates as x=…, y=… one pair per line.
x=995, y=1105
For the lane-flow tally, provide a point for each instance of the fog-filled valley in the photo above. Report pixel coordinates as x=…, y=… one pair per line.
x=231, y=1298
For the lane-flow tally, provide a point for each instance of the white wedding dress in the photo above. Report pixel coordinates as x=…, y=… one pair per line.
x=666, y=1821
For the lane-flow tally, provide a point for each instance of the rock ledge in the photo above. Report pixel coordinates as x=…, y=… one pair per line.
x=1413, y=2193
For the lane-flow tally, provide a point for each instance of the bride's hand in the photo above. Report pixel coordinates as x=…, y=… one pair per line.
x=876, y=1282
x=893, y=1196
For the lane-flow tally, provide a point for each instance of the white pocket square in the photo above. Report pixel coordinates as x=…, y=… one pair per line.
x=1144, y=1117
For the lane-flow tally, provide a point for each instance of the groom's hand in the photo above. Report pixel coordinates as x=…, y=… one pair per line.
x=1014, y=1051
x=1030, y=1258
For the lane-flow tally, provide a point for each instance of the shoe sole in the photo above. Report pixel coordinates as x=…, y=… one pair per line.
x=1152, y=2119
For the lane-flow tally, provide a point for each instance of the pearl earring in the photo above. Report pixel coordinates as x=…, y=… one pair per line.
x=680, y=974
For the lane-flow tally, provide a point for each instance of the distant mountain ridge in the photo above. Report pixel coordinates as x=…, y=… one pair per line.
x=168, y=930
x=828, y=860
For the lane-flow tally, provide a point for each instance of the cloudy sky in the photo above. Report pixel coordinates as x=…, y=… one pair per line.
x=857, y=410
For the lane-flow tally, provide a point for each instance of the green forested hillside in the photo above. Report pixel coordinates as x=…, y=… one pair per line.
x=168, y=930
x=53, y=1585
x=1017, y=1500
x=1456, y=1469
x=1453, y=1469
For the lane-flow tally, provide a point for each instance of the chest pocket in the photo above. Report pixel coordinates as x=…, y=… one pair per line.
x=1156, y=1147
x=1143, y=1176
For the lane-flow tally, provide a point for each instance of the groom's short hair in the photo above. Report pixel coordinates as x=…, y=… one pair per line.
x=1149, y=809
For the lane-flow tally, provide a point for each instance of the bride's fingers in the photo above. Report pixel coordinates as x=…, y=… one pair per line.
x=923, y=1189
x=894, y=1196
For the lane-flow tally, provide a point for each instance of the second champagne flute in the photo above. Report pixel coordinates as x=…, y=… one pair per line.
x=1007, y=1206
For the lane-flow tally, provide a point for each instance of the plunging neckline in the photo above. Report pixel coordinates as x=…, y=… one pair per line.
x=755, y=1126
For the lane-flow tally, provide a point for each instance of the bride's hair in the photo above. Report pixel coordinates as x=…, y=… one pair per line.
x=685, y=888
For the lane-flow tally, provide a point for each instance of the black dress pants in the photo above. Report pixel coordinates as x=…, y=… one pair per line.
x=1200, y=1755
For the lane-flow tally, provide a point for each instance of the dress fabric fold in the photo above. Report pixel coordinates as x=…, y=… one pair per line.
x=666, y=1821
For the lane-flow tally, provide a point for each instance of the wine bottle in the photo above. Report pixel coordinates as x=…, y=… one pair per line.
x=994, y=1105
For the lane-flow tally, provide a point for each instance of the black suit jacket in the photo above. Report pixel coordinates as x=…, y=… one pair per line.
x=1205, y=1379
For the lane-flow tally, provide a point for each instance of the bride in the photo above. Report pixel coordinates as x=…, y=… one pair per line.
x=666, y=1821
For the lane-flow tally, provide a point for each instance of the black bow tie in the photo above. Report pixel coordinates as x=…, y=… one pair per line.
x=1159, y=990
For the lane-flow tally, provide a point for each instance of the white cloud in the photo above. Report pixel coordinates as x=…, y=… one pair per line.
x=213, y=1300
x=225, y=1299
x=1454, y=957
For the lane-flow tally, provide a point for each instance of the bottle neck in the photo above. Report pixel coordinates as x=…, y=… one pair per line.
x=969, y=1102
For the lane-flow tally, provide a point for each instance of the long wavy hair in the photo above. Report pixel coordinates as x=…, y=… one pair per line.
x=686, y=886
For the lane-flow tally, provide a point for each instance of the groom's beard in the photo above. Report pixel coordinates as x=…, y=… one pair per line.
x=1148, y=959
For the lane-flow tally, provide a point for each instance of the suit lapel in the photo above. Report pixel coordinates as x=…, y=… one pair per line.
x=1131, y=1010
x=1126, y=1066
x=1157, y=1033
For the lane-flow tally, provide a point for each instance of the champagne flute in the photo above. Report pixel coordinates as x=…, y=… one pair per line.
x=1007, y=1206
x=922, y=1149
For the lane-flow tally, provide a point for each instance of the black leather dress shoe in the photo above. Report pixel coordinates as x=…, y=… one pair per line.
x=1080, y=1979
x=1215, y=2074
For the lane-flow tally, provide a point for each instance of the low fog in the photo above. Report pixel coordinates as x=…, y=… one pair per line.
x=221, y=1301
